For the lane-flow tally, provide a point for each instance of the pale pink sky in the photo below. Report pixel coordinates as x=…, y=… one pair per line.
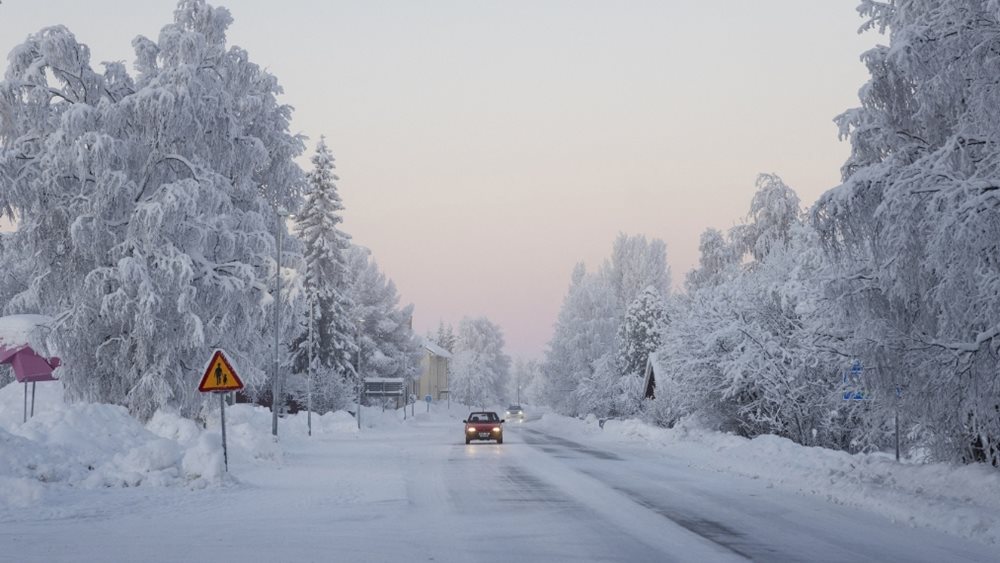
x=484, y=147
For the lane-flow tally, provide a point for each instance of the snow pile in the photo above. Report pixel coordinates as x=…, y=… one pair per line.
x=92, y=446
x=962, y=500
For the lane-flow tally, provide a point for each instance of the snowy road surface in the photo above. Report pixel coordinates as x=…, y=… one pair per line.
x=416, y=492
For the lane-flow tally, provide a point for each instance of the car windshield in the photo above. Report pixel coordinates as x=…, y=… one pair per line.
x=483, y=417
x=513, y=408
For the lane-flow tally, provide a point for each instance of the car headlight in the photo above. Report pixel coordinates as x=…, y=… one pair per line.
x=470, y=429
x=496, y=428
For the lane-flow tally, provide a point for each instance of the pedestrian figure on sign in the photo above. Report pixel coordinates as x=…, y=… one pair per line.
x=219, y=376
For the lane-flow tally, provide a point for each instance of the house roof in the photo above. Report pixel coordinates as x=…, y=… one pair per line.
x=436, y=350
x=23, y=346
x=653, y=367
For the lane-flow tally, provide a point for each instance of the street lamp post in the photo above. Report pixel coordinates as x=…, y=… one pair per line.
x=518, y=383
x=276, y=383
x=361, y=385
x=309, y=386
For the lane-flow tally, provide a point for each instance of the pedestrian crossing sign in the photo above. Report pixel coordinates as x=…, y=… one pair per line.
x=219, y=376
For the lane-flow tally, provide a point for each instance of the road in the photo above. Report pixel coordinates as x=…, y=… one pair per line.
x=417, y=493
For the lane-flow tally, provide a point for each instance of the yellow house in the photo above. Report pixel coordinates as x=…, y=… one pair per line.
x=433, y=372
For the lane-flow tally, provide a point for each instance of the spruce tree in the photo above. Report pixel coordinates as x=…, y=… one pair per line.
x=640, y=333
x=327, y=334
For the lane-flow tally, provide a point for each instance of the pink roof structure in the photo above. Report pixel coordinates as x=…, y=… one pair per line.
x=20, y=336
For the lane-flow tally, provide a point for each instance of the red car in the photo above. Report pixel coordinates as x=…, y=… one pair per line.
x=483, y=426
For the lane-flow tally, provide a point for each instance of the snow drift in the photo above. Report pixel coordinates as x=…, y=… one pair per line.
x=94, y=446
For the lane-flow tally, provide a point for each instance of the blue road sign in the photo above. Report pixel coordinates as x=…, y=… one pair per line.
x=852, y=378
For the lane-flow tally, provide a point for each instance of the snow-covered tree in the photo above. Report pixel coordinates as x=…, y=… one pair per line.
x=388, y=346
x=774, y=211
x=635, y=264
x=328, y=333
x=598, y=387
x=525, y=381
x=639, y=335
x=479, y=370
x=915, y=222
x=445, y=337
x=717, y=258
x=584, y=338
x=584, y=332
x=744, y=349
x=145, y=206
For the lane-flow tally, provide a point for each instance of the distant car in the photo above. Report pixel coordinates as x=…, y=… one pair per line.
x=515, y=412
x=483, y=425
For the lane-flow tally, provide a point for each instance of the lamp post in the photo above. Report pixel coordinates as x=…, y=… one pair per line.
x=276, y=383
x=361, y=384
x=517, y=381
x=309, y=386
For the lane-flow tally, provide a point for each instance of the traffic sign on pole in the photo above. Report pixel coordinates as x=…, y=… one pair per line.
x=220, y=378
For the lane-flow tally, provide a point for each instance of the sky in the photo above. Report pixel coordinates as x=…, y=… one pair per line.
x=485, y=147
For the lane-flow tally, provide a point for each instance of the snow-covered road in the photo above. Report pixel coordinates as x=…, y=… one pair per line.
x=416, y=492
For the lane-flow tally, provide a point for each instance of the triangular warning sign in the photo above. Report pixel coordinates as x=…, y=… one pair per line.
x=219, y=375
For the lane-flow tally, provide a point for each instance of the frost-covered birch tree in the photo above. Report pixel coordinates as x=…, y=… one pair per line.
x=916, y=221
x=525, y=380
x=580, y=368
x=584, y=332
x=479, y=371
x=743, y=349
x=635, y=264
x=445, y=337
x=145, y=206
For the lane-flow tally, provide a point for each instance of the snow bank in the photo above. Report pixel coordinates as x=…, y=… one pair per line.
x=93, y=446
x=962, y=500
x=90, y=446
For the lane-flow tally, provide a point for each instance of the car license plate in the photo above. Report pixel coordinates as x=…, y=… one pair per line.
x=484, y=434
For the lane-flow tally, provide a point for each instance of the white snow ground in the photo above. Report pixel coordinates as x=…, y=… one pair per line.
x=89, y=483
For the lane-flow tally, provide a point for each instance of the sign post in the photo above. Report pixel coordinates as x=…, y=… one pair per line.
x=427, y=398
x=220, y=378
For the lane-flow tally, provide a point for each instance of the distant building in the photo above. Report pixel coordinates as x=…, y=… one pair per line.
x=653, y=370
x=433, y=372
